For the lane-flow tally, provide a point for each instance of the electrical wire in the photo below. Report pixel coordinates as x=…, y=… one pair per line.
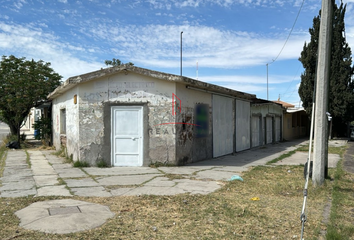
x=287, y=39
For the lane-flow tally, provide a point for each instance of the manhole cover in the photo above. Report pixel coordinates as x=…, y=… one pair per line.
x=63, y=210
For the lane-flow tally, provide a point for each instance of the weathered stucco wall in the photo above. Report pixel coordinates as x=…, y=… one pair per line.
x=269, y=114
x=70, y=137
x=97, y=97
x=266, y=109
x=193, y=143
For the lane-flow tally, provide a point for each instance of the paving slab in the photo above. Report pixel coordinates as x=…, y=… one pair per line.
x=53, y=191
x=160, y=182
x=43, y=171
x=66, y=218
x=91, y=192
x=59, y=166
x=197, y=187
x=148, y=190
x=6, y=186
x=121, y=191
x=46, y=180
x=121, y=171
x=84, y=182
x=185, y=170
x=216, y=174
x=300, y=158
x=71, y=173
x=125, y=180
x=18, y=193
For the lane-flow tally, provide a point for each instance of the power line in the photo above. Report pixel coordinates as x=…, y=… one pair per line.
x=292, y=28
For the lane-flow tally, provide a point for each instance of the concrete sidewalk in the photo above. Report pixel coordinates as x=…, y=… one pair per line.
x=49, y=176
x=45, y=174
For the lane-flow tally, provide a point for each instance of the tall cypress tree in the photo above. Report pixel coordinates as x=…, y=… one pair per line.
x=341, y=86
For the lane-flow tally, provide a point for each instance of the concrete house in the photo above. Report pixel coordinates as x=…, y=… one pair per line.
x=130, y=116
x=296, y=122
x=266, y=122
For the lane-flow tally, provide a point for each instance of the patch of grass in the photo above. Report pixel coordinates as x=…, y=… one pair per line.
x=81, y=164
x=3, y=153
x=102, y=164
x=161, y=164
x=285, y=155
x=337, y=150
x=341, y=217
x=28, y=159
x=61, y=181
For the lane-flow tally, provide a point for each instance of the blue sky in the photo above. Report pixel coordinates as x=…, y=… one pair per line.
x=232, y=40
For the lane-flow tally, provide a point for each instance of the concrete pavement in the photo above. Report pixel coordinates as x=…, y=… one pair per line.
x=48, y=175
x=44, y=174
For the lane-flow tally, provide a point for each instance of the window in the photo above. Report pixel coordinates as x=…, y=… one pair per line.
x=62, y=121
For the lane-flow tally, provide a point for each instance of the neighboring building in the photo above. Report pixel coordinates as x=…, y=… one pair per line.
x=296, y=122
x=266, y=122
x=130, y=116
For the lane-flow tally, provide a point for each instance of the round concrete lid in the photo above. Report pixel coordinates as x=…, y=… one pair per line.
x=63, y=216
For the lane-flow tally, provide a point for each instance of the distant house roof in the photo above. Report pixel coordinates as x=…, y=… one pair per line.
x=285, y=104
x=74, y=81
x=259, y=101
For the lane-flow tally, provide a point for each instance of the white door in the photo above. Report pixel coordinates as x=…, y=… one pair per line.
x=127, y=137
x=222, y=126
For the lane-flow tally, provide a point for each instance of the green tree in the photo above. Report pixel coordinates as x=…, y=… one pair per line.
x=341, y=87
x=23, y=84
x=116, y=62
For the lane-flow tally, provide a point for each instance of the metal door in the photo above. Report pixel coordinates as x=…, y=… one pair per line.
x=127, y=140
x=222, y=126
x=277, y=129
x=256, y=131
x=269, y=130
x=243, y=116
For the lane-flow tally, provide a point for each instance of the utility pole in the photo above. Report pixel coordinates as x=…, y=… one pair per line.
x=320, y=156
x=267, y=81
x=181, y=52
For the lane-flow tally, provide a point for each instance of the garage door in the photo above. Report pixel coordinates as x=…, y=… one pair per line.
x=269, y=129
x=222, y=126
x=242, y=125
x=256, y=131
x=277, y=129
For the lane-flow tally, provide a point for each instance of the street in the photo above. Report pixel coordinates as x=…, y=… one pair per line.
x=4, y=130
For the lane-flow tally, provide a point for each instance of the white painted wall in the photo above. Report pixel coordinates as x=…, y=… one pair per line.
x=72, y=122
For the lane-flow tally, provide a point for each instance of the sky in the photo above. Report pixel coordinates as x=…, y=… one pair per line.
x=224, y=42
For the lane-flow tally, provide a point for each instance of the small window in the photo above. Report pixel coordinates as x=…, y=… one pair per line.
x=62, y=121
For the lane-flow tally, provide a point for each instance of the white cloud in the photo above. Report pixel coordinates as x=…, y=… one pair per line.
x=33, y=43
x=159, y=45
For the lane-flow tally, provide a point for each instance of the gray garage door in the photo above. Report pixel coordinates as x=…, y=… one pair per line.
x=277, y=129
x=222, y=126
x=243, y=114
x=256, y=131
x=269, y=129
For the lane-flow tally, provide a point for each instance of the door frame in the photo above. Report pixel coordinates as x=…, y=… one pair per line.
x=112, y=142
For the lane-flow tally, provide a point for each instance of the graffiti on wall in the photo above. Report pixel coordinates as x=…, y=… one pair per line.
x=202, y=120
